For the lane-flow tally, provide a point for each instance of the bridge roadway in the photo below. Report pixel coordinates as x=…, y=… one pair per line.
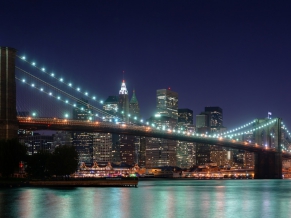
x=128, y=129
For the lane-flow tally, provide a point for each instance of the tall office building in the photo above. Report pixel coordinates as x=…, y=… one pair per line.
x=124, y=149
x=36, y=143
x=185, y=116
x=106, y=143
x=102, y=148
x=167, y=103
x=83, y=141
x=216, y=116
x=127, y=145
x=202, y=120
x=61, y=138
x=162, y=152
x=111, y=105
x=207, y=122
x=123, y=102
x=222, y=158
x=185, y=150
x=133, y=106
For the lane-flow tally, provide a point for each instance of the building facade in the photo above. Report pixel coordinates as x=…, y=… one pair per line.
x=167, y=103
x=123, y=102
x=215, y=116
x=134, y=110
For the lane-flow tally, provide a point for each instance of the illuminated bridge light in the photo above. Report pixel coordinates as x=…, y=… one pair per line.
x=59, y=97
x=52, y=74
x=67, y=101
x=70, y=84
x=61, y=79
x=141, y=121
x=43, y=69
x=74, y=105
x=86, y=93
x=41, y=89
x=78, y=89
x=33, y=63
x=101, y=102
x=23, y=57
x=96, y=115
x=94, y=98
x=23, y=80
x=50, y=93
x=32, y=85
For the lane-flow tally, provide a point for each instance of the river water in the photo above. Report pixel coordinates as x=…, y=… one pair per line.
x=154, y=198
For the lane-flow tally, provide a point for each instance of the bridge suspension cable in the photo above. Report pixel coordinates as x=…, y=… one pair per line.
x=239, y=128
x=250, y=130
x=118, y=115
x=104, y=113
x=61, y=80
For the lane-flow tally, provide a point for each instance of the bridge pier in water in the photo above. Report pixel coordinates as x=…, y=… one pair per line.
x=8, y=116
x=268, y=165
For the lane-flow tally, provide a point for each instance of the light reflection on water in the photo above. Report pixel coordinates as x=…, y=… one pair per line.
x=154, y=198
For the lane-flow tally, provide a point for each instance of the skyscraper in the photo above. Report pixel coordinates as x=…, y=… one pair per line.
x=111, y=104
x=102, y=149
x=185, y=150
x=211, y=120
x=185, y=116
x=162, y=152
x=133, y=106
x=216, y=116
x=83, y=141
x=124, y=149
x=123, y=102
x=167, y=103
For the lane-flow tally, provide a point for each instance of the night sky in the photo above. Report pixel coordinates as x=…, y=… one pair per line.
x=231, y=54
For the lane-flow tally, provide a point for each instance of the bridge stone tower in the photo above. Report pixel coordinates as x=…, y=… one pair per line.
x=8, y=118
x=268, y=165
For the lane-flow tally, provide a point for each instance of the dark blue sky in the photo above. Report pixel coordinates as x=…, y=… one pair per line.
x=231, y=54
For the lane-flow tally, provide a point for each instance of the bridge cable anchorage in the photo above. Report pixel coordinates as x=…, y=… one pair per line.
x=52, y=75
x=59, y=90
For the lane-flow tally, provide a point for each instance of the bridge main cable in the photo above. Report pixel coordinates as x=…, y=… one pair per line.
x=65, y=93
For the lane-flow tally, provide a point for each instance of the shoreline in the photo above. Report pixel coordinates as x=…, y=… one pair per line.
x=82, y=182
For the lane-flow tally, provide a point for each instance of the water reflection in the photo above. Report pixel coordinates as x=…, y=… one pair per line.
x=163, y=198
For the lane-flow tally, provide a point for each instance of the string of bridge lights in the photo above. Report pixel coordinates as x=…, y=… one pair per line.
x=49, y=93
x=78, y=89
x=288, y=132
x=241, y=127
x=58, y=90
x=61, y=80
x=110, y=116
x=251, y=130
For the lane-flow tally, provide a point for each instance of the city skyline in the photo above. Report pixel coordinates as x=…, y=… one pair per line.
x=227, y=54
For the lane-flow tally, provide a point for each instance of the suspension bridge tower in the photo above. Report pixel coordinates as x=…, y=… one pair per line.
x=268, y=165
x=8, y=117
